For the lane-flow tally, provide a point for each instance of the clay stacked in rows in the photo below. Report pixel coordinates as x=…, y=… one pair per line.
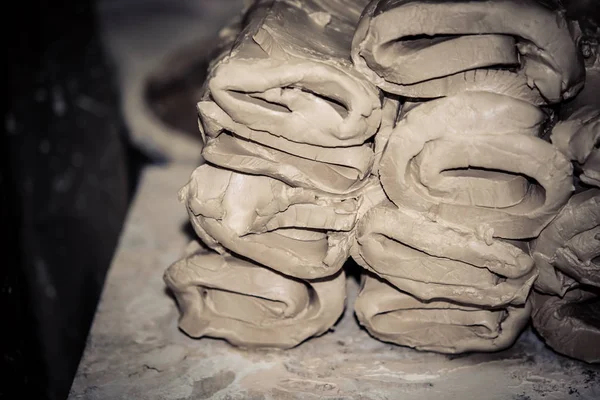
x=288, y=126
x=411, y=136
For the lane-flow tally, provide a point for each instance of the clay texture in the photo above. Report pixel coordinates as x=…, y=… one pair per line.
x=398, y=46
x=226, y=297
x=411, y=136
x=570, y=324
x=577, y=134
x=464, y=157
x=286, y=102
x=567, y=251
x=431, y=261
x=566, y=305
x=469, y=177
x=395, y=316
x=566, y=301
x=291, y=230
x=288, y=126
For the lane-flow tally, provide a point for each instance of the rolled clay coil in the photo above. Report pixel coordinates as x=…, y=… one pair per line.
x=571, y=324
x=433, y=262
x=477, y=130
x=292, y=230
x=394, y=316
x=222, y=296
x=289, y=74
x=235, y=146
x=398, y=45
x=568, y=250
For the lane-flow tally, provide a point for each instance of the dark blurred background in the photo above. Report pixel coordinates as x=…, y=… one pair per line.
x=69, y=168
x=67, y=179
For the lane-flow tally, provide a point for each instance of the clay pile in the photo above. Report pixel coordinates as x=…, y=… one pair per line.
x=469, y=178
x=408, y=135
x=566, y=300
x=288, y=124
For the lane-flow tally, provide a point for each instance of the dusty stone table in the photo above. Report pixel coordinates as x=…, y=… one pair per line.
x=135, y=350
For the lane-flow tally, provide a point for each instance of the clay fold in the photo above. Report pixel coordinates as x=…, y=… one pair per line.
x=394, y=316
x=474, y=160
x=398, y=46
x=568, y=250
x=577, y=134
x=571, y=324
x=390, y=112
x=231, y=145
x=289, y=75
x=431, y=261
x=413, y=136
x=292, y=230
x=222, y=296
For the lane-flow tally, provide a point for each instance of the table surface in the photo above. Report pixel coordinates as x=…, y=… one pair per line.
x=135, y=350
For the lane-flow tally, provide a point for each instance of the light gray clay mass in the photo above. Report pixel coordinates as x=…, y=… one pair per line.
x=451, y=148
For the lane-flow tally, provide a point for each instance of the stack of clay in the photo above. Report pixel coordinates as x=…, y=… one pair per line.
x=567, y=294
x=310, y=159
x=469, y=177
x=566, y=301
x=288, y=125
